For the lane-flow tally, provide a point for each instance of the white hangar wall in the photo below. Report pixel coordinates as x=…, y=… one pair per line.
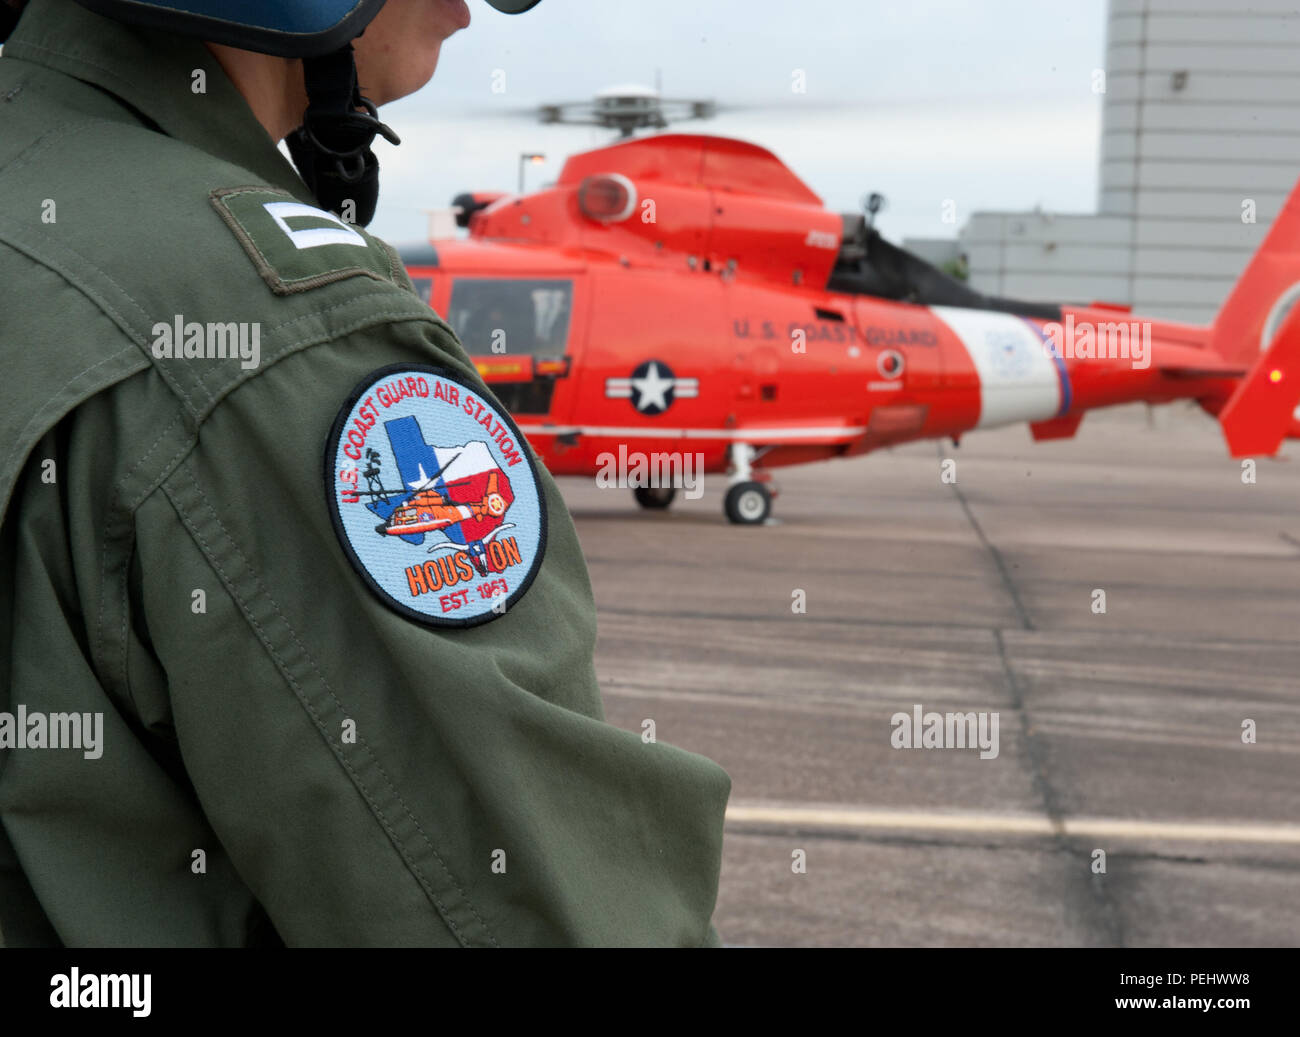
x=1201, y=114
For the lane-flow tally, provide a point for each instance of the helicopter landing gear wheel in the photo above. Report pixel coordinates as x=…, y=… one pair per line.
x=654, y=498
x=748, y=504
x=748, y=501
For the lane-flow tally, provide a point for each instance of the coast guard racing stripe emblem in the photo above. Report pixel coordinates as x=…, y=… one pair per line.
x=434, y=496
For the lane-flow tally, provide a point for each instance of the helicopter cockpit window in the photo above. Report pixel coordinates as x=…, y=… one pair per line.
x=517, y=316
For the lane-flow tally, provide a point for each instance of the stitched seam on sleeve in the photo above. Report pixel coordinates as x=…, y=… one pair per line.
x=325, y=334
x=122, y=530
x=102, y=304
x=176, y=386
x=56, y=400
x=303, y=699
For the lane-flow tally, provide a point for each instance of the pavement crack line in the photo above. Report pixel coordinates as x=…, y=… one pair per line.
x=999, y=562
x=1106, y=913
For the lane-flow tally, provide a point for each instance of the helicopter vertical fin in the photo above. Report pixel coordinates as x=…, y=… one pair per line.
x=1262, y=412
x=1255, y=308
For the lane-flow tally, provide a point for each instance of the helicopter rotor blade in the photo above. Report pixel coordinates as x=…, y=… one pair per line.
x=433, y=478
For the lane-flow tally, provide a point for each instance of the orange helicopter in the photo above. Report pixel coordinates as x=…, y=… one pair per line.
x=430, y=509
x=684, y=293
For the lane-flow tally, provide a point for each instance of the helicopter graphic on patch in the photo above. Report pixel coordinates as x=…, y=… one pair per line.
x=461, y=526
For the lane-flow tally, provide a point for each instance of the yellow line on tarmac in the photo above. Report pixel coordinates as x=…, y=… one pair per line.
x=1009, y=824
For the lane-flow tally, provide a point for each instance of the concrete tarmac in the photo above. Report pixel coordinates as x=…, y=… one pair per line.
x=1123, y=735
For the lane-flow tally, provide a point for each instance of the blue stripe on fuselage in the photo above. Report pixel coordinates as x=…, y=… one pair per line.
x=1067, y=394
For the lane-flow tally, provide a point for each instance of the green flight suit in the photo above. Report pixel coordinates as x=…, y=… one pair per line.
x=481, y=800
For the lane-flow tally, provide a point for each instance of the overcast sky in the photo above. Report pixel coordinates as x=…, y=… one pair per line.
x=989, y=104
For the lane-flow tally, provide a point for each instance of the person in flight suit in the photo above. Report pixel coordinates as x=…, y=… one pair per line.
x=296, y=637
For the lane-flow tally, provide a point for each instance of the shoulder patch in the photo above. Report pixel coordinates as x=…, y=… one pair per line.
x=434, y=496
x=295, y=246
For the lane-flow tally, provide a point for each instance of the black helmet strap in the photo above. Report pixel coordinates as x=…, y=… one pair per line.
x=332, y=146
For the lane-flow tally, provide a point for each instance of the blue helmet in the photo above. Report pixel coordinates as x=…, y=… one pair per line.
x=287, y=28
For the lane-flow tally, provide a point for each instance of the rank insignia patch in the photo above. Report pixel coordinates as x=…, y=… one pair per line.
x=297, y=247
x=434, y=496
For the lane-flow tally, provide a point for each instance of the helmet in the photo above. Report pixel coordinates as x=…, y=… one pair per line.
x=287, y=28
x=332, y=147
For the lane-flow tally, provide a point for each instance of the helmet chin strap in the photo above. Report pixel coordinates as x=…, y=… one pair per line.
x=332, y=146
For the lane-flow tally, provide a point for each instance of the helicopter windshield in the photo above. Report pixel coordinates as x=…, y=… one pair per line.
x=493, y=315
x=870, y=265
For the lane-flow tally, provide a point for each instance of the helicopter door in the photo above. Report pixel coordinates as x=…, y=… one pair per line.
x=518, y=332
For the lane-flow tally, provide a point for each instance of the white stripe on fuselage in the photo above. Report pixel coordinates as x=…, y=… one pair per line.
x=837, y=433
x=1018, y=379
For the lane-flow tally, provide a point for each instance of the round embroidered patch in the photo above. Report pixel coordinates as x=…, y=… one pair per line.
x=434, y=496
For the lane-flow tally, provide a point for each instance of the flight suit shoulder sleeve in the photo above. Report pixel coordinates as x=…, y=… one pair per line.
x=387, y=701
x=42, y=384
x=362, y=595
x=188, y=258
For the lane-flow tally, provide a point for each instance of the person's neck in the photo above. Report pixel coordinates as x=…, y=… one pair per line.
x=273, y=87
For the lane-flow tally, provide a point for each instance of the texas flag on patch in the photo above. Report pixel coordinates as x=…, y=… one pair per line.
x=416, y=484
x=459, y=491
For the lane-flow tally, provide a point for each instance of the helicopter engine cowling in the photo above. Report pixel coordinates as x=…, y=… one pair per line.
x=680, y=201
